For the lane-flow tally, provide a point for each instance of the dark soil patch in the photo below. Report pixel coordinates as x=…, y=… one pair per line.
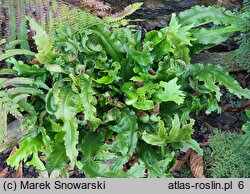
x=207, y=124
x=232, y=117
x=28, y=172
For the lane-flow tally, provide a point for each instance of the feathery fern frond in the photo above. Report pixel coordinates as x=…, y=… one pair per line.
x=14, y=94
x=22, y=26
x=116, y=17
x=11, y=25
x=2, y=17
x=224, y=161
x=3, y=120
x=96, y=7
x=77, y=14
x=243, y=53
x=74, y=18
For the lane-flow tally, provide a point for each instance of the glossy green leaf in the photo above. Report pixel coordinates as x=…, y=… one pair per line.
x=153, y=139
x=215, y=36
x=25, y=150
x=169, y=91
x=87, y=97
x=57, y=159
x=144, y=105
x=200, y=15
x=65, y=101
x=26, y=70
x=43, y=42
x=180, y=133
x=126, y=127
x=195, y=146
x=105, y=80
x=212, y=75
x=35, y=161
x=154, y=36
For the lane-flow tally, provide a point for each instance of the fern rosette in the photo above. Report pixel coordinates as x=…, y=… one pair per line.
x=117, y=103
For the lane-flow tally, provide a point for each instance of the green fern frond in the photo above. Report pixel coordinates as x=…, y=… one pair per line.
x=1, y=19
x=24, y=105
x=200, y=15
x=23, y=35
x=14, y=111
x=25, y=150
x=95, y=6
x=13, y=44
x=27, y=70
x=114, y=18
x=20, y=97
x=3, y=120
x=75, y=18
x=2, y=41
x=11, y=25
x=41, y=17
x=43, y=42
x=22, y=81
x=14, y=17
x=243, y=53
x=213, y=76
x=10, y=106
x=21, y=25
x=225, y=24
x=14, y=52
x=7, y=72
x=215, y=36
x=24, y=90
x=64, y=99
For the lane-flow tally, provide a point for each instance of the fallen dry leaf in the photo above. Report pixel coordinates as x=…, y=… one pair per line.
x=196, y=165
x=179, y=163
x=225, y=108
x=19, y=171
x=14, y=149
x=242, y=78
x=34, y=61
x=4, y=172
